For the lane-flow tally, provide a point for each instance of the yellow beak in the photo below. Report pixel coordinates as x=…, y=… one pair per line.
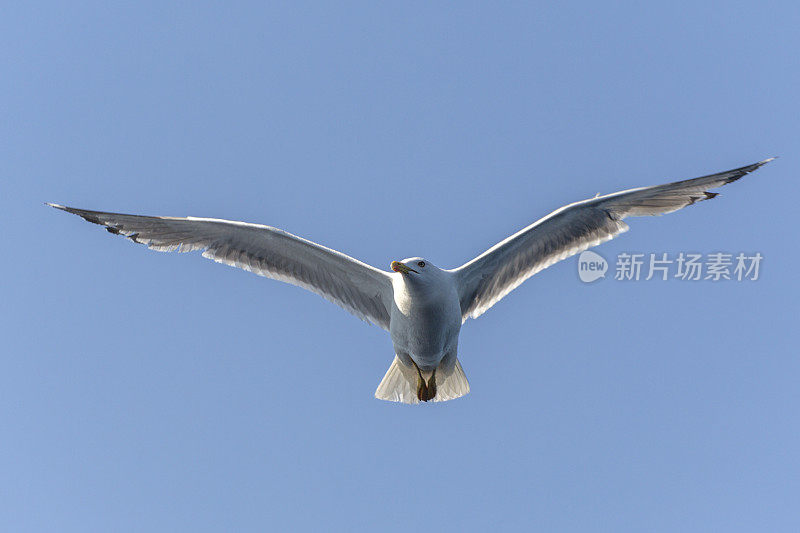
x=397, y=266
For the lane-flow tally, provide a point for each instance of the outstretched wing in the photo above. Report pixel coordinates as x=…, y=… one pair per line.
x=570, y=230
x=361, y=289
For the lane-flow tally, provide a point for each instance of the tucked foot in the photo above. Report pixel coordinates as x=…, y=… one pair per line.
x=425, y=391
x=432, y=386
x=422, y=389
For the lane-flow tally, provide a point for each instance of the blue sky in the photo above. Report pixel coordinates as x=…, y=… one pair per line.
x=163, y=392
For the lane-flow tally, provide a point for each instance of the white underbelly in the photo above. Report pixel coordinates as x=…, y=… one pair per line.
x=426, y=335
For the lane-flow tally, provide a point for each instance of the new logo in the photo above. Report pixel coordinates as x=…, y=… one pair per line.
x=591, y=266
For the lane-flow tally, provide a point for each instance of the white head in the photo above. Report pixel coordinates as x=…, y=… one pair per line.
x=416, y=270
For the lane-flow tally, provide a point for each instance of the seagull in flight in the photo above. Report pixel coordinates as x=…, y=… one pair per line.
x=421, y=305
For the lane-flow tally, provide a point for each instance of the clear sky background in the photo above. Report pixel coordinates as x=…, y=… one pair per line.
x=163, y=392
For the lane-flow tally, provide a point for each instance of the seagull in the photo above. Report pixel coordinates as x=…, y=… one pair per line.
x=421, y=305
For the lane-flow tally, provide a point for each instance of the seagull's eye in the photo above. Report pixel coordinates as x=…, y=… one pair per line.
x=421, y=264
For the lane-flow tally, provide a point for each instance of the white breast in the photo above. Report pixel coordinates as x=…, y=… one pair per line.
x=425, y=318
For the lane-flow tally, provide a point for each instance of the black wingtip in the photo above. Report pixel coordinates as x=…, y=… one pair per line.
x=89, y=216
x=744, y=171
x=754, y=166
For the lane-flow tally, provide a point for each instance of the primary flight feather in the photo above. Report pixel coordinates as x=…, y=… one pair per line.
x=422, y=306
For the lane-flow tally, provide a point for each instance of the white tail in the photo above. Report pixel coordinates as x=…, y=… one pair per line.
x=400, y=384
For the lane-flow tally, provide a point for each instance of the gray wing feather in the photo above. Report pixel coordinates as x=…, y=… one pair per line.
x=570, y=230
x=357, y=287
